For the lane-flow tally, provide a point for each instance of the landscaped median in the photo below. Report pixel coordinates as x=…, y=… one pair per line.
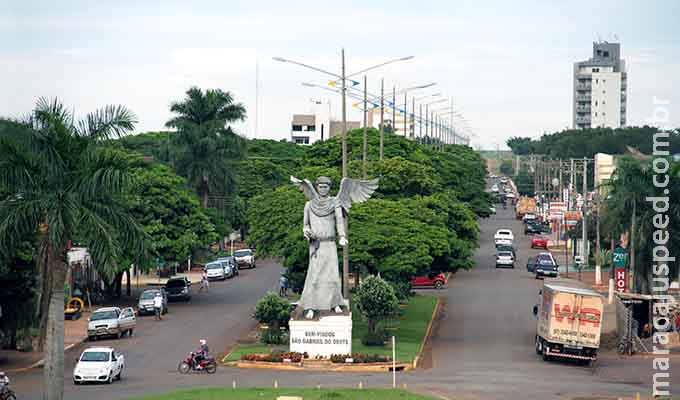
x=273, y=394
x=410, y=329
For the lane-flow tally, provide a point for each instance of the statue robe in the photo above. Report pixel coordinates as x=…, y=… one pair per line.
x=323, y=288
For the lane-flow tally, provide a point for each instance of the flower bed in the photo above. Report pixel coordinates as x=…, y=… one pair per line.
x=360, y=358
x=275, y=357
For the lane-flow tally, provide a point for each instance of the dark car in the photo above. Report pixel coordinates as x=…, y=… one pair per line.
x=545, y=265
x=178, y=288
x=536, y=228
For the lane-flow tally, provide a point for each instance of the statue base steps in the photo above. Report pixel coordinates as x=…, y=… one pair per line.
x=320, y=337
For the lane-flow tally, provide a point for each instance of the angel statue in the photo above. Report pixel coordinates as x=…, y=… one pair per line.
x=323, y=225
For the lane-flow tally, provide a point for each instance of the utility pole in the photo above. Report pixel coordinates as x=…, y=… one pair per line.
x=406, y=133
x=345, y=249
x=365, y=155
x=561, y=186
x=427, y=124
x=382, y=116
x=572, y=203
x=412, y=126
x=584, y=221
x=420, y=126
x=394, y=110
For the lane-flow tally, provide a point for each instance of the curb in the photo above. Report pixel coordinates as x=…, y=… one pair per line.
x=41, y=362
x=428, y=332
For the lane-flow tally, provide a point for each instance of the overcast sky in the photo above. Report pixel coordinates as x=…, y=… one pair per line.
x=508, y=68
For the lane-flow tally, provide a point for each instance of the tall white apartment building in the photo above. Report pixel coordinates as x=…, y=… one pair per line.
x=600, y=85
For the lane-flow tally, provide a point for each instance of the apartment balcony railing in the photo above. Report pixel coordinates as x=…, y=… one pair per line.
x=583, y=108
x=584, y=86
x=583, y=120
x=583, y=97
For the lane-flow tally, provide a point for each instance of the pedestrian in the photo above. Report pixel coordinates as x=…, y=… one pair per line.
x=204, y=282
x=158, y=305
x=283, y=286
x=676, y=325
x=4, y=383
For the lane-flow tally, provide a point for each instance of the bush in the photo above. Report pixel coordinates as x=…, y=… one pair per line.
x=374, y=338
x=376, y=301
x=273, y=311
x=402, y=289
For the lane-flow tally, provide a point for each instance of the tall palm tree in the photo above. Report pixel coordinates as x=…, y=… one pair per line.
x=206, y=147
x=59, y=181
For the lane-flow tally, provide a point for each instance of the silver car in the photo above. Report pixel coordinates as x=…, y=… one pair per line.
x=146, y=303
x=111, y=321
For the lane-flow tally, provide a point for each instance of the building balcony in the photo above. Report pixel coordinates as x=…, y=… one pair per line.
x=583, y=119
x=584, y=86
x=585, y=109
x=583, y=97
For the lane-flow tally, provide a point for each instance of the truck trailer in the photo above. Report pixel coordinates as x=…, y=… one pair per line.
x=569, y=323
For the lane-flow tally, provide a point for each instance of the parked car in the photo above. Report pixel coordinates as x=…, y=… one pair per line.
x=178, y=288
x=232, y=265
x=505, y=259
x=111, y=321
x=545, y=265
x=436, y=280
x=529, y=217
x=492, y=209
x=504, y=236
x=539, y=242
x=216, y=270
x=98, y=364
x=245, y=257
x=145, y=305
x=494, y=188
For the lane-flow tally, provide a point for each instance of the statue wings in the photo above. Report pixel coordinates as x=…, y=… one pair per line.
x=355, y=191
x=305, y=187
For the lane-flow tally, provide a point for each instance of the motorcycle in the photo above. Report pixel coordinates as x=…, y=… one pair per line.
x=7, y=394
x=189, y=364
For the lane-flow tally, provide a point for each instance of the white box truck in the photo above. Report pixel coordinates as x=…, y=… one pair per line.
x=569, y=318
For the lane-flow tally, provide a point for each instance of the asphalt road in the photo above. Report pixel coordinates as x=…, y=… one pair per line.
x=153, y=353
x=482, y=346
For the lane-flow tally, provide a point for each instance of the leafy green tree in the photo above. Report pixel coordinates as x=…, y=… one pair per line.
x=626, y=210
x=519, y=145
x=206, y=148
x=376, y=300
x=61, y=183
x=273, y=311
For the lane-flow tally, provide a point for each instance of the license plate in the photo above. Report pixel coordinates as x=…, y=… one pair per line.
x=88, y=377
x=569, y=346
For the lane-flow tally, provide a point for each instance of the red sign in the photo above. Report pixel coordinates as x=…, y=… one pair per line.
x=620, y=279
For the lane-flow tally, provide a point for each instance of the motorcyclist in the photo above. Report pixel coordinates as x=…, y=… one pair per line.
x=4, y=382
x=201, y=354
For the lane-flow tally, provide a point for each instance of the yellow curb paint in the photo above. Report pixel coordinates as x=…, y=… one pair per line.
x=427, y=333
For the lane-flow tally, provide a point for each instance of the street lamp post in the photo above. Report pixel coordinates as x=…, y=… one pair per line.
x=382, y=116
x=365, y=155
x=343, y=77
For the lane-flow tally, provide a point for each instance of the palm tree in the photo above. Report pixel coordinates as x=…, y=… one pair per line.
x=59, y=182
x=206, y=147
x=626, y=209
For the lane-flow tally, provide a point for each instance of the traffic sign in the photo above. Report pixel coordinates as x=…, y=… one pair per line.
x=619, y=257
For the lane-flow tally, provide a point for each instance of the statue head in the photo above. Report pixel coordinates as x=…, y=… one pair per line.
x=323, y=185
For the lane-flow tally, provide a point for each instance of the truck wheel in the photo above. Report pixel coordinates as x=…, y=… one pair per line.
x=546, y=357
x=539, y=346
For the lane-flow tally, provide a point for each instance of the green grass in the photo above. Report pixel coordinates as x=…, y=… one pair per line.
x=409, y=330
x=272, y=394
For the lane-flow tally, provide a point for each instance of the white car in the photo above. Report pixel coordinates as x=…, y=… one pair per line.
x=215, y=270
x=492, y=209
x=494, y=188
x=504, y=236
x=244, y=257
x=505, y=259
x=111, y=321
x=98, y=364
x=510, y=196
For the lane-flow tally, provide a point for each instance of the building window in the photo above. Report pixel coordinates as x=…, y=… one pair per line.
x=311, y=128
x=596, y=113
x=301, y=139
x=596, y=102
x=297, y=128
x=605, y=53
x=596, y=70
x=604, y=81
x=597, y=81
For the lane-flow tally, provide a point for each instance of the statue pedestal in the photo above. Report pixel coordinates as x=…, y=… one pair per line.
x=322, y=336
